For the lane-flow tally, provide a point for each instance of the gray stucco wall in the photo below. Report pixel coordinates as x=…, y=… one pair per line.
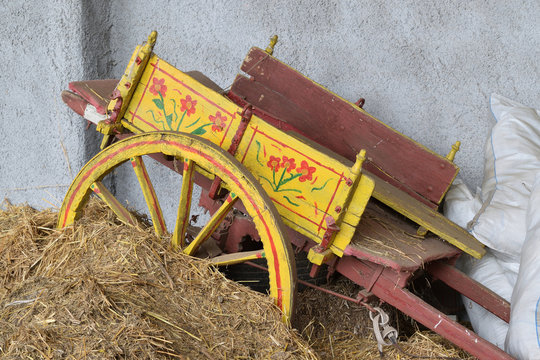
x=425, y=68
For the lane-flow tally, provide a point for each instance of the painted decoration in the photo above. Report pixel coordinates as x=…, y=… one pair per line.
x=167, y=99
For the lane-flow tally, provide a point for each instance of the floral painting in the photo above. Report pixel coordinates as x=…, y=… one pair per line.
x=290, y=176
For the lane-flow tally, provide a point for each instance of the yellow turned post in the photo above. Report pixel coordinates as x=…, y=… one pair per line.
x=273, y=41
x=129, y=81
x=212, y=225
x=353, y=207
x=422, y=231
x=149, y=195
x=123, y=214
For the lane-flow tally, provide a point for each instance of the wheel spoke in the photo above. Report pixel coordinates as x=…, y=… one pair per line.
x=212, y=225
x=182, y=218
x=149, y=195
x=236, y=258
x=123, y=214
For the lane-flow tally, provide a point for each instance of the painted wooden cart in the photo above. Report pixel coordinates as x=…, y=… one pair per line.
x=278, y=149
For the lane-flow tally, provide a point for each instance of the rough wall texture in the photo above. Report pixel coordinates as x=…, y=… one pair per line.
x=427, y=69
x=41, y=141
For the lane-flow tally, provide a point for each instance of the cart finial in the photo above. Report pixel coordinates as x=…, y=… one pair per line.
x=452, y=154
x=360, y=157
x=273, y=42
x=152, y=38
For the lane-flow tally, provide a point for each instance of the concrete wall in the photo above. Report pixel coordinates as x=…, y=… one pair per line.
x=425, y=68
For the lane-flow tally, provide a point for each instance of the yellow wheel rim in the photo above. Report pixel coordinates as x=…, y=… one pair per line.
x=214, y=160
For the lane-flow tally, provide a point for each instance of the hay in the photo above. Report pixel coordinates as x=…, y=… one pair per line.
x=338, y=329
x=105, y=290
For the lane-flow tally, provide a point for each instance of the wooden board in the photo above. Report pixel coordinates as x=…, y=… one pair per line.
x=286, y=114
x=385, y=237
x=345, y=129
x=429, y=219
x=96, y=92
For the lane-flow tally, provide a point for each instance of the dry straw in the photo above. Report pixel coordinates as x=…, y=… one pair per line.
x=103, y=290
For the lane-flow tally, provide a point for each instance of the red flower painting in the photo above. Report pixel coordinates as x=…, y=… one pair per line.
x=273, y=163
x=305, y=171
x=218, y=121
x=288, y=163
x=158, y=87
x=188, y=105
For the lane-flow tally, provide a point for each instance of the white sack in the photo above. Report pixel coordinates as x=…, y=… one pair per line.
x=489, y=272
x=460, y=205
x=512, y=157
x=523, y=339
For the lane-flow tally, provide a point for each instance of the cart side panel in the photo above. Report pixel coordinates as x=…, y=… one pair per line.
x=306, y=184
x=168, y=99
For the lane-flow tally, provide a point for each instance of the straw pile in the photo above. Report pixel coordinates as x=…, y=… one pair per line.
x=104, y=290
x=337, y=329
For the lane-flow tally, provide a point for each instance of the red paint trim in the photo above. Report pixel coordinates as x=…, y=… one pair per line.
x=226, y=132
x=249, y=145
x=331, y=199
x=187, y=177
x=145, y=88
x=192, y=90
x=144, y=121
x=233, y=178
x=300, y=215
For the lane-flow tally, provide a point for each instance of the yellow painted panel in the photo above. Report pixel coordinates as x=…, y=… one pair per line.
x=168, y=99
x=305, y=184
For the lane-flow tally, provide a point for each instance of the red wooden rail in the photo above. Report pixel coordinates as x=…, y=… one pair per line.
x=342, y=127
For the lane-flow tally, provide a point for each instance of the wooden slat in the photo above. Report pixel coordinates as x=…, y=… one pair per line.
x=184, y=205
x=345, y=129
x=286, y=116
x=96, y=92
x=211, y=226
x=237, y=258
x=387, y=238
x=426, y=217
x=123, y=214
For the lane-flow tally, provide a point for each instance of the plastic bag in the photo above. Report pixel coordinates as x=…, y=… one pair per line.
x=512, y=158
x=523, y=338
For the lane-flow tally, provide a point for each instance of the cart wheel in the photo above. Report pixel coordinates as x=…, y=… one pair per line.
x=202, y=156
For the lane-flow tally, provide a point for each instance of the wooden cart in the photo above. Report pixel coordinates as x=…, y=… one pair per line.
x=278, y=149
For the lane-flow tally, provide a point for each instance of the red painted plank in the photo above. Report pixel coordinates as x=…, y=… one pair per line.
x=386, y=289
x=287, y=116
x=471, y=289
x=96, y=92
x=345, y=129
